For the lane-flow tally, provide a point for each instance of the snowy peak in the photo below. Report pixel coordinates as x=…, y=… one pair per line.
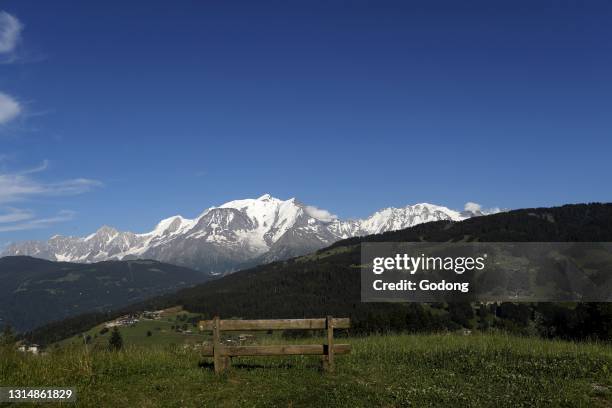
x=221, y=238
x=104, y=232
x=170, y=226
x=391, y=219
x=271, y=216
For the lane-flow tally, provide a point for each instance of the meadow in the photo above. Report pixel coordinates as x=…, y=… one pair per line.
x=147, y=332
x=445, y=370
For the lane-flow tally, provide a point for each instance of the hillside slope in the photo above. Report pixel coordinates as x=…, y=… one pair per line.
x=34, y=291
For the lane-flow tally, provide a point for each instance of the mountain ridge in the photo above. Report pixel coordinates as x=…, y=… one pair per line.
x=242, y=231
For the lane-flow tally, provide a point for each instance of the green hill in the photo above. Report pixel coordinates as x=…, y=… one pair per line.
x=34, y=292
x=172, y=326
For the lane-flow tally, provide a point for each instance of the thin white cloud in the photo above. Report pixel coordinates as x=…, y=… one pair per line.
x=10, y=32
x=477, y=208
x=23, y=186
x=9, y=108
x=62, y=216
x=36, y=169
x=320, y=214
x=12, y=215
x=71, y=187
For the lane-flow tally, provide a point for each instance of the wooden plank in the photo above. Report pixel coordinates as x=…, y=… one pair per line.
x=330, y=344
x=217, y=359
x=275, y=324
x=280, y=350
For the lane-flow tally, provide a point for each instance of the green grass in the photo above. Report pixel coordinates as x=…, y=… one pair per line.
x=386, y=371
x=161, y=330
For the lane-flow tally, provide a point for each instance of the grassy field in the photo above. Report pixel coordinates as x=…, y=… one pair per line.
x=162, y=332
x=386, y=371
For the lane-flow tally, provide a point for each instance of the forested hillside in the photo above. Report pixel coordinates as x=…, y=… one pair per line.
x=34, y=291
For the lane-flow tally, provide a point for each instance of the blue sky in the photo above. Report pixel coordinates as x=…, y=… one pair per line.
x=123, y=113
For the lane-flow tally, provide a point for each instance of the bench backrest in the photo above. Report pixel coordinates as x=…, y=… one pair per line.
x=221, y=353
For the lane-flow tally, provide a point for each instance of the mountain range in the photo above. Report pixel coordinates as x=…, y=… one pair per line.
x=234, y=235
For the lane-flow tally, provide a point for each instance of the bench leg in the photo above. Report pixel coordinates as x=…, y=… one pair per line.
x=227, y=363
x=324, y=363
x=217, y=358
x=328, y=358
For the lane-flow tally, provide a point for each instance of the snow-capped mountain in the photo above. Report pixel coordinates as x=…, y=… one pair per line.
x=221, y=238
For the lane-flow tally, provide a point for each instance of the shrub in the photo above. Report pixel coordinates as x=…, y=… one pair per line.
x=115, y=342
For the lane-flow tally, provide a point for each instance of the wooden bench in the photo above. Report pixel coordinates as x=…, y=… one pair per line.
x=221, y=353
